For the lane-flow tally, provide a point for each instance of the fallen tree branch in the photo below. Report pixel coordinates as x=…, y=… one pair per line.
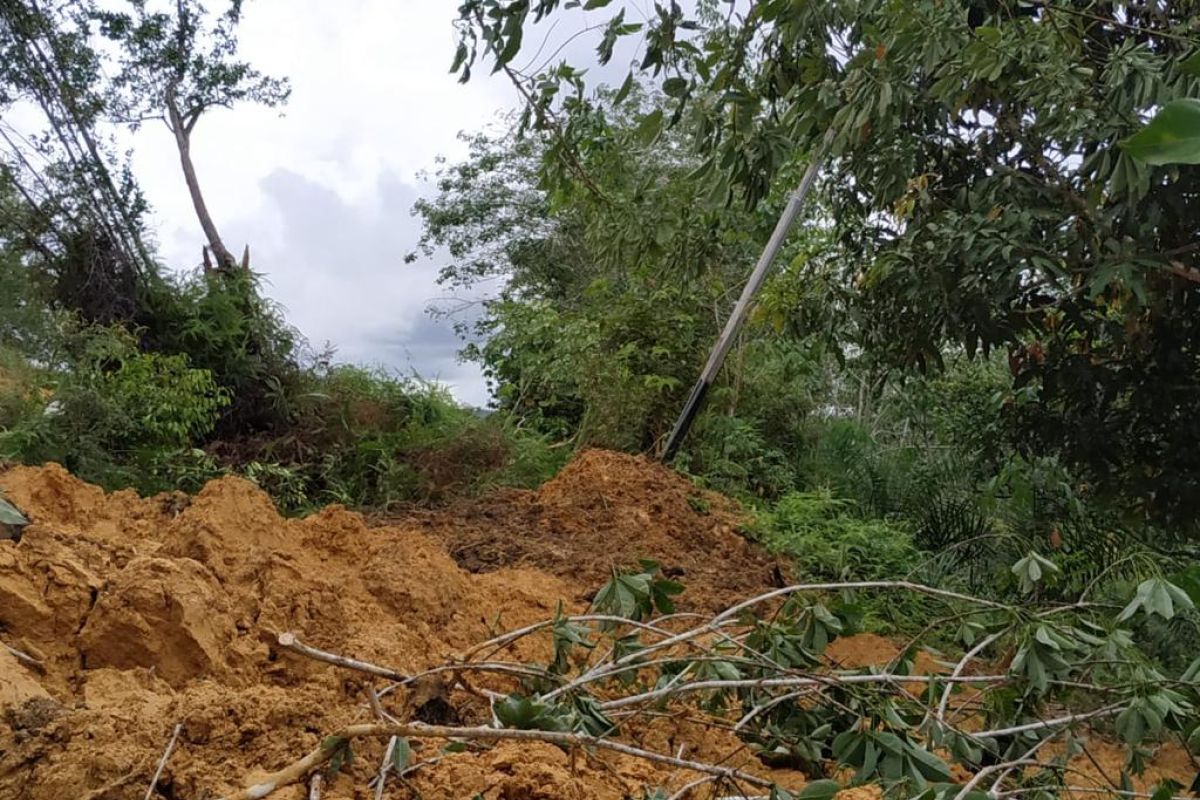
x=386, y=766
x=506, y=639
x=315, y=784
x=730, y=616
x=1070, y=719
x=330, y=745
x=162, y=762
x=25, y=659
x=288, y=641
x=958, y=670
x=772, y=683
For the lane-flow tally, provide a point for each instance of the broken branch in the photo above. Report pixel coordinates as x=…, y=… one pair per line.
x=288, y=641
x=162, y=762
x=25, y=658
x=297, y=770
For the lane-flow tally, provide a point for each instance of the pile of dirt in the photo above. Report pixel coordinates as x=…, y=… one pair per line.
x=147, y=612
x=607, y=510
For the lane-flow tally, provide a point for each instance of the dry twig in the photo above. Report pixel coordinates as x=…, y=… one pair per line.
x=298, y=769
x=162, y=762
x=25, y=659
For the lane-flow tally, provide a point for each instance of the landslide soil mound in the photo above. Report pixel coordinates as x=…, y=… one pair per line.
x=147, y=612
x=151, y=612
x=607, y=510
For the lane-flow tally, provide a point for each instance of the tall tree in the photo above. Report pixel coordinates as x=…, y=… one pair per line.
x=177, y=66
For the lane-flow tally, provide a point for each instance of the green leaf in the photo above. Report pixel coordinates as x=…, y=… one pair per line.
x=1131, y=726
x=1189, y=581
x=518, y=712
x=9, y=515
x=460, y=57
x=820, y=790
x=1191, y=64
x=1172, y=137
x=626, y=87
x=401, y=755
x=592, y=4
x=675, y=87
x=1157, y=596
x=524, y=713
x=1165, y=790
x=930, y=766
x=650, y=126
x=1193, y=741
x=1030, y=570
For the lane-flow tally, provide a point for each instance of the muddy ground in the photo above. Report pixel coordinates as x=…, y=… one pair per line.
x=147, y=613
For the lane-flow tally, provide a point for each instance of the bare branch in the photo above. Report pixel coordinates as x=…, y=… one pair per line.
x=288, y=641
x=770, y=683
x=297, y=770
x=162, y=762
x=1070, y=719
x=25, y=658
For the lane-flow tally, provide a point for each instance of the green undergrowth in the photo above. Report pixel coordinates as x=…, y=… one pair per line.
x=116, y=413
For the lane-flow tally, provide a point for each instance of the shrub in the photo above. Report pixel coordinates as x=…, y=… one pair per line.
x=112, y=414
x=828, y=542
x=221, y=323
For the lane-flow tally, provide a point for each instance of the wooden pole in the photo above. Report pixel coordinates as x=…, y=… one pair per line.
x=717, y=357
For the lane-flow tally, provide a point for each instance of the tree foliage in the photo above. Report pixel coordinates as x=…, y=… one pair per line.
x=980, y=195
x=601, y=298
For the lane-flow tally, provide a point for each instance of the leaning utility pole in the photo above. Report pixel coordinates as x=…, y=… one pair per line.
x=717, y=357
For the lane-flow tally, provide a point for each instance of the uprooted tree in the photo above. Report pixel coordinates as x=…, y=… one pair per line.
x=1032, y=679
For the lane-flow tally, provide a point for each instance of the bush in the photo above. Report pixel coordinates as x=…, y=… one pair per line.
x=223, y=324
x=111, y=413
x=368, y=439
x=829, y=543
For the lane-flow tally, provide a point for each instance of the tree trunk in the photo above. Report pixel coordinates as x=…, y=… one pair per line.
x=224, y=258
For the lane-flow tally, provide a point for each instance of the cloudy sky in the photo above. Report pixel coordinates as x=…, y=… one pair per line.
x=323, y=193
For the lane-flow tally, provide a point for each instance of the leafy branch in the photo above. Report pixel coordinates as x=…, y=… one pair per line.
x=1071, y=667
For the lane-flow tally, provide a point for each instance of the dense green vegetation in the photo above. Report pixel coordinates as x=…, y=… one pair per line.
x=132, y=374
x=974, y=367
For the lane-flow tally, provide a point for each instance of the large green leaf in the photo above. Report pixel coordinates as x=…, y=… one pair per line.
x=1189, y=581
x=1172, y=137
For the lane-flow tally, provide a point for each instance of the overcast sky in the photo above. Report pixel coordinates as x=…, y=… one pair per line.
x=323, y=193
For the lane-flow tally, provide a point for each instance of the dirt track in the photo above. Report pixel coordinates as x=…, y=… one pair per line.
x=152, y=612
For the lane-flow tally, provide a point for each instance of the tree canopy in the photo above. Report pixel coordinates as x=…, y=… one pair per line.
x=978, y=190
